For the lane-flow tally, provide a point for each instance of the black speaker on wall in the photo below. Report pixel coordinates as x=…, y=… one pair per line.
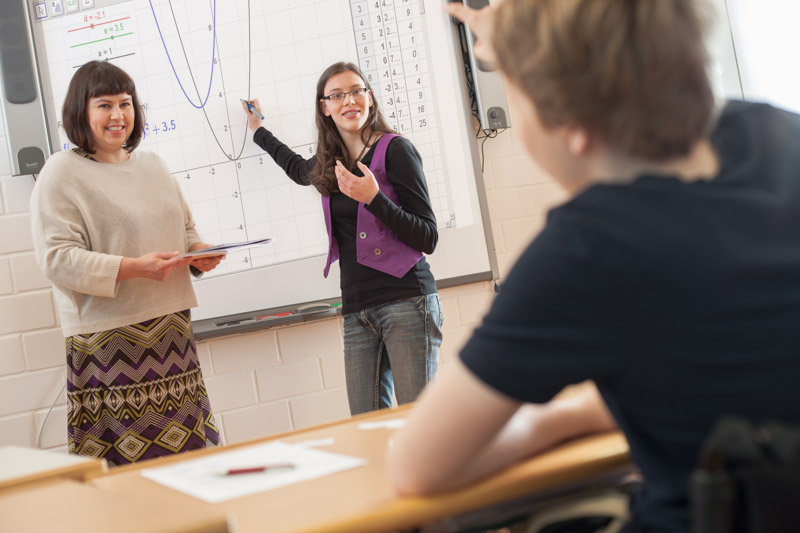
x=490, y=91
x=23, y=109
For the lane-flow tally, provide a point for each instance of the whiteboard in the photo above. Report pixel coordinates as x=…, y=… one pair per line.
x=766, y=41
x=193, y=61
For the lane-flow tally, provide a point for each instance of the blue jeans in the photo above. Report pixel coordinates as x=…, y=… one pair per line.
x=392, y=344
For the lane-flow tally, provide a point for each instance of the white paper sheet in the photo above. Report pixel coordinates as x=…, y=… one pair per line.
x=315, y=443
x=394, y=423
x=202, y=478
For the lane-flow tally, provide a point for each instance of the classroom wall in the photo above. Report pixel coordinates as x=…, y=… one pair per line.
x=259, y=383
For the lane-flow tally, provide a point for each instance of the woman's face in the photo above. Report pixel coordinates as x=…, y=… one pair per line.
x=351, y=112
x=111, y=120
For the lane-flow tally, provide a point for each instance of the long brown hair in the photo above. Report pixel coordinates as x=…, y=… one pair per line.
x=631, y=72
x=330, y=145
x=98, y=78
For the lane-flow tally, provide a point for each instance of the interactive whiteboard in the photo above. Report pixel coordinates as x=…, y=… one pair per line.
x=193, y=61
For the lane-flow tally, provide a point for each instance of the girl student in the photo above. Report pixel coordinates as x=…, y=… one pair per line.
x=380, y=223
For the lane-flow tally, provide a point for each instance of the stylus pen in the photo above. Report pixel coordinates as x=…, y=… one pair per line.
x=253, y=109
x=257, y=469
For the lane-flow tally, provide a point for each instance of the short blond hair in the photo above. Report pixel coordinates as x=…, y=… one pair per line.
x=632, y=72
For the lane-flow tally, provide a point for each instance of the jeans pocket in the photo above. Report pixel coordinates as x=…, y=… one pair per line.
x=441, y=310
x=433, y=315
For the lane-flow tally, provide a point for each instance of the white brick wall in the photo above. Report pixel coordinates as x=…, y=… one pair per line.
x=6, y=286
x=257, y=421
x=259, y=383
x=12, y=360
x=15, y=229
x=26, y=311
x=19, y=430
x=27, y=275
x=28, y=391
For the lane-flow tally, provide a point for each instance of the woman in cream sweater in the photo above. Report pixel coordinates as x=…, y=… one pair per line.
x=109, y=224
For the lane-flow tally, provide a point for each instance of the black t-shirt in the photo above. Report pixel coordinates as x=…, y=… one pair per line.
x=414, y=223
x=681, y=300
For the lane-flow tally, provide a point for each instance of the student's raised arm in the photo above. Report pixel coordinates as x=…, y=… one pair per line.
x=296, y=167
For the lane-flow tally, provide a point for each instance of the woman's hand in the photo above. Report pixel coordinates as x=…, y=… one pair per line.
x=362, y=190
x=204, y=264
x=155, y=265
x=253, y=121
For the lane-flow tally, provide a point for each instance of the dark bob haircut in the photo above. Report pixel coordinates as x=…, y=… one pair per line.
x=98, y=78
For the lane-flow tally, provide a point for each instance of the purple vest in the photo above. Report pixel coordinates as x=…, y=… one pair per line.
x=376, y=245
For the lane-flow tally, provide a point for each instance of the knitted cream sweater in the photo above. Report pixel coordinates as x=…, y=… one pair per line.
x=86, y=216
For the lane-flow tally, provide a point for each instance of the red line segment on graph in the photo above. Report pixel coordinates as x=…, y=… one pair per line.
x=98, y=24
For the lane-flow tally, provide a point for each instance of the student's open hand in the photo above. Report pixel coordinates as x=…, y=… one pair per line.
x=253, y=121
x=359, y=189
x=480, y=22
x=204, y=264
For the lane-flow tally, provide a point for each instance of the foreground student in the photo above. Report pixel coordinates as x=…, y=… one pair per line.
x=670, y=276
x=108, y=223
x=380, y=221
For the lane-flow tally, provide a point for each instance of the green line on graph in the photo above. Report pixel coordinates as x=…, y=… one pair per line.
x=106, y=39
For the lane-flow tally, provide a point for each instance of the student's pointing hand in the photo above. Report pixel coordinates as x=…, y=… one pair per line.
x=253, y=121
x=362, y=190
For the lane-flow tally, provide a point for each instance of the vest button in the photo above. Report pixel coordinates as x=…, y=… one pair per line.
x=377, y=251
x=362, y=235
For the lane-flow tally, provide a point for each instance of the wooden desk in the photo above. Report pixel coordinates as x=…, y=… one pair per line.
x=68, y=506
x=360, y=500
x=23, y=466
x=353, y=501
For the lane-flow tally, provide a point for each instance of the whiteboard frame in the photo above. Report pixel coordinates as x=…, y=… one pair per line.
x=249, y=321
x=236, y=311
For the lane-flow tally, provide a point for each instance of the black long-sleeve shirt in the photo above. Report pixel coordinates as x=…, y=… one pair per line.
x=414, y=223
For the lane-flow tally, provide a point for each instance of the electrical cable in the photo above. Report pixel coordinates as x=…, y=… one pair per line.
x=41, y=428
x=480, y=133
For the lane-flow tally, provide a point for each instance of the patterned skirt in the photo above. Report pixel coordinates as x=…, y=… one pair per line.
x=136, y=392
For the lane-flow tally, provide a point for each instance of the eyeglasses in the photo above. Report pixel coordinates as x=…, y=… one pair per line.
x=339, y=97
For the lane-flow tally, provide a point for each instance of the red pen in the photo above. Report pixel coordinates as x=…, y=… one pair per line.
x=276, y=315
x=257, y=469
